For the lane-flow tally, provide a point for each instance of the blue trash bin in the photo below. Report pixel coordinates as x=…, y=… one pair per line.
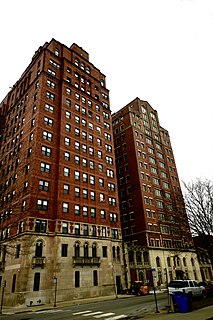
x=183, y=301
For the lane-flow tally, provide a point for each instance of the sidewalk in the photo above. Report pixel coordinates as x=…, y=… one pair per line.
x=200, y=314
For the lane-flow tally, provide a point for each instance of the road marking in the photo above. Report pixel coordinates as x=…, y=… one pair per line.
x=92, y=313
x=105, y=315
x=82, y=312
x=117, y=317
x=48, y=311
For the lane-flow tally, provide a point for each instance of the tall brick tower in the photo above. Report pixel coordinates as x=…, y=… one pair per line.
x=154, y=222
x=59, y=201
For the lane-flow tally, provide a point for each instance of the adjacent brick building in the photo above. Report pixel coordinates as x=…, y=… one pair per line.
x=59, y=201
x=154, y=222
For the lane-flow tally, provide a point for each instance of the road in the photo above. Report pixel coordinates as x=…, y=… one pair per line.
x=130, y=306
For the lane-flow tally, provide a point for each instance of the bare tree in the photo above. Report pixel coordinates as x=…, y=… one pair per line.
x=198, y=197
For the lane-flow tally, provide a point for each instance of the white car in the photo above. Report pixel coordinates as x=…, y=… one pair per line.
x=188, y=286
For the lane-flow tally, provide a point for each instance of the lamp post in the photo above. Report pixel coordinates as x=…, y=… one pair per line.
x=153, y=281
x=2, y=296
x=55, y=283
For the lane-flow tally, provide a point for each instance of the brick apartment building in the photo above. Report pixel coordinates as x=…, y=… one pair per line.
x=59, y=206
x=154, y=222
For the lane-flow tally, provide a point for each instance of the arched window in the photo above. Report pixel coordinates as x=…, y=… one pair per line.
x=86, y=250
x=141, y=277
x=77, y=249
x=94, y=250
x=178, y=261
x=118, y=253
x=39, y=248
x=138, y=257
x=168, y=262
x=158, y=262
x=131, y=256
x=146, y=257
x=184, y=262
x=113, y=252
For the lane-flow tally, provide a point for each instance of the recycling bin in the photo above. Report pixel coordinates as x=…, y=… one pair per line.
x=183, y=301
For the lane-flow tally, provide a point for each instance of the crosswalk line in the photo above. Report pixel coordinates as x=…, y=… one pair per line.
x=81, y=312
x=48, y=311
x=105, y=315
x=121, y=316
x=92, y=313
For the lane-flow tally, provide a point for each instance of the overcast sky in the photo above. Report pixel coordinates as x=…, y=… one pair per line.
x=158, y=50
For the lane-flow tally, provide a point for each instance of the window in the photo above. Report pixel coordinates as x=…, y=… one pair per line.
x=112, y=201
x=40, y=226
x=66, y=172
x=18, y=249
x=85, y=211
x=51, y=84
x=93, y=212
x=36, y=283
x=66, y=156
x=48, y=121
x=65, y=207
x=94, y=234
x=159, y=203
x=67, y=141
x=103, y=214
x=45, y=167
x=103, y=232
x=51, y=72
x=92, y=195
x=77, y=159
x=84, y=162
x=77, y=175
x=113, y=217
x=77, y=132
x=43, y=185
x=86, y=232
x=91, y=164
x=50, y=95
x=46, y=151
x=102, y=197
x=104, y=251
x=101, y=182
x=85, y=177
x=85, y=193
x=77, y=145
x=77, y=279
x=77, y=192
x=68, y=127
x=114, y=233
x=14, y=283
x=64, y=249
x=77, y=250
x=68, y=115
x=92, y=180
x=42, y=204
x=165, y=229
x=64, y=227
x=77, y=209
x=109, y=160
x=54, y=64
x=110, y=173
x=47, y=135
x=49, y=108
x=66, y=189
x=77, y=229
x=95, y=277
